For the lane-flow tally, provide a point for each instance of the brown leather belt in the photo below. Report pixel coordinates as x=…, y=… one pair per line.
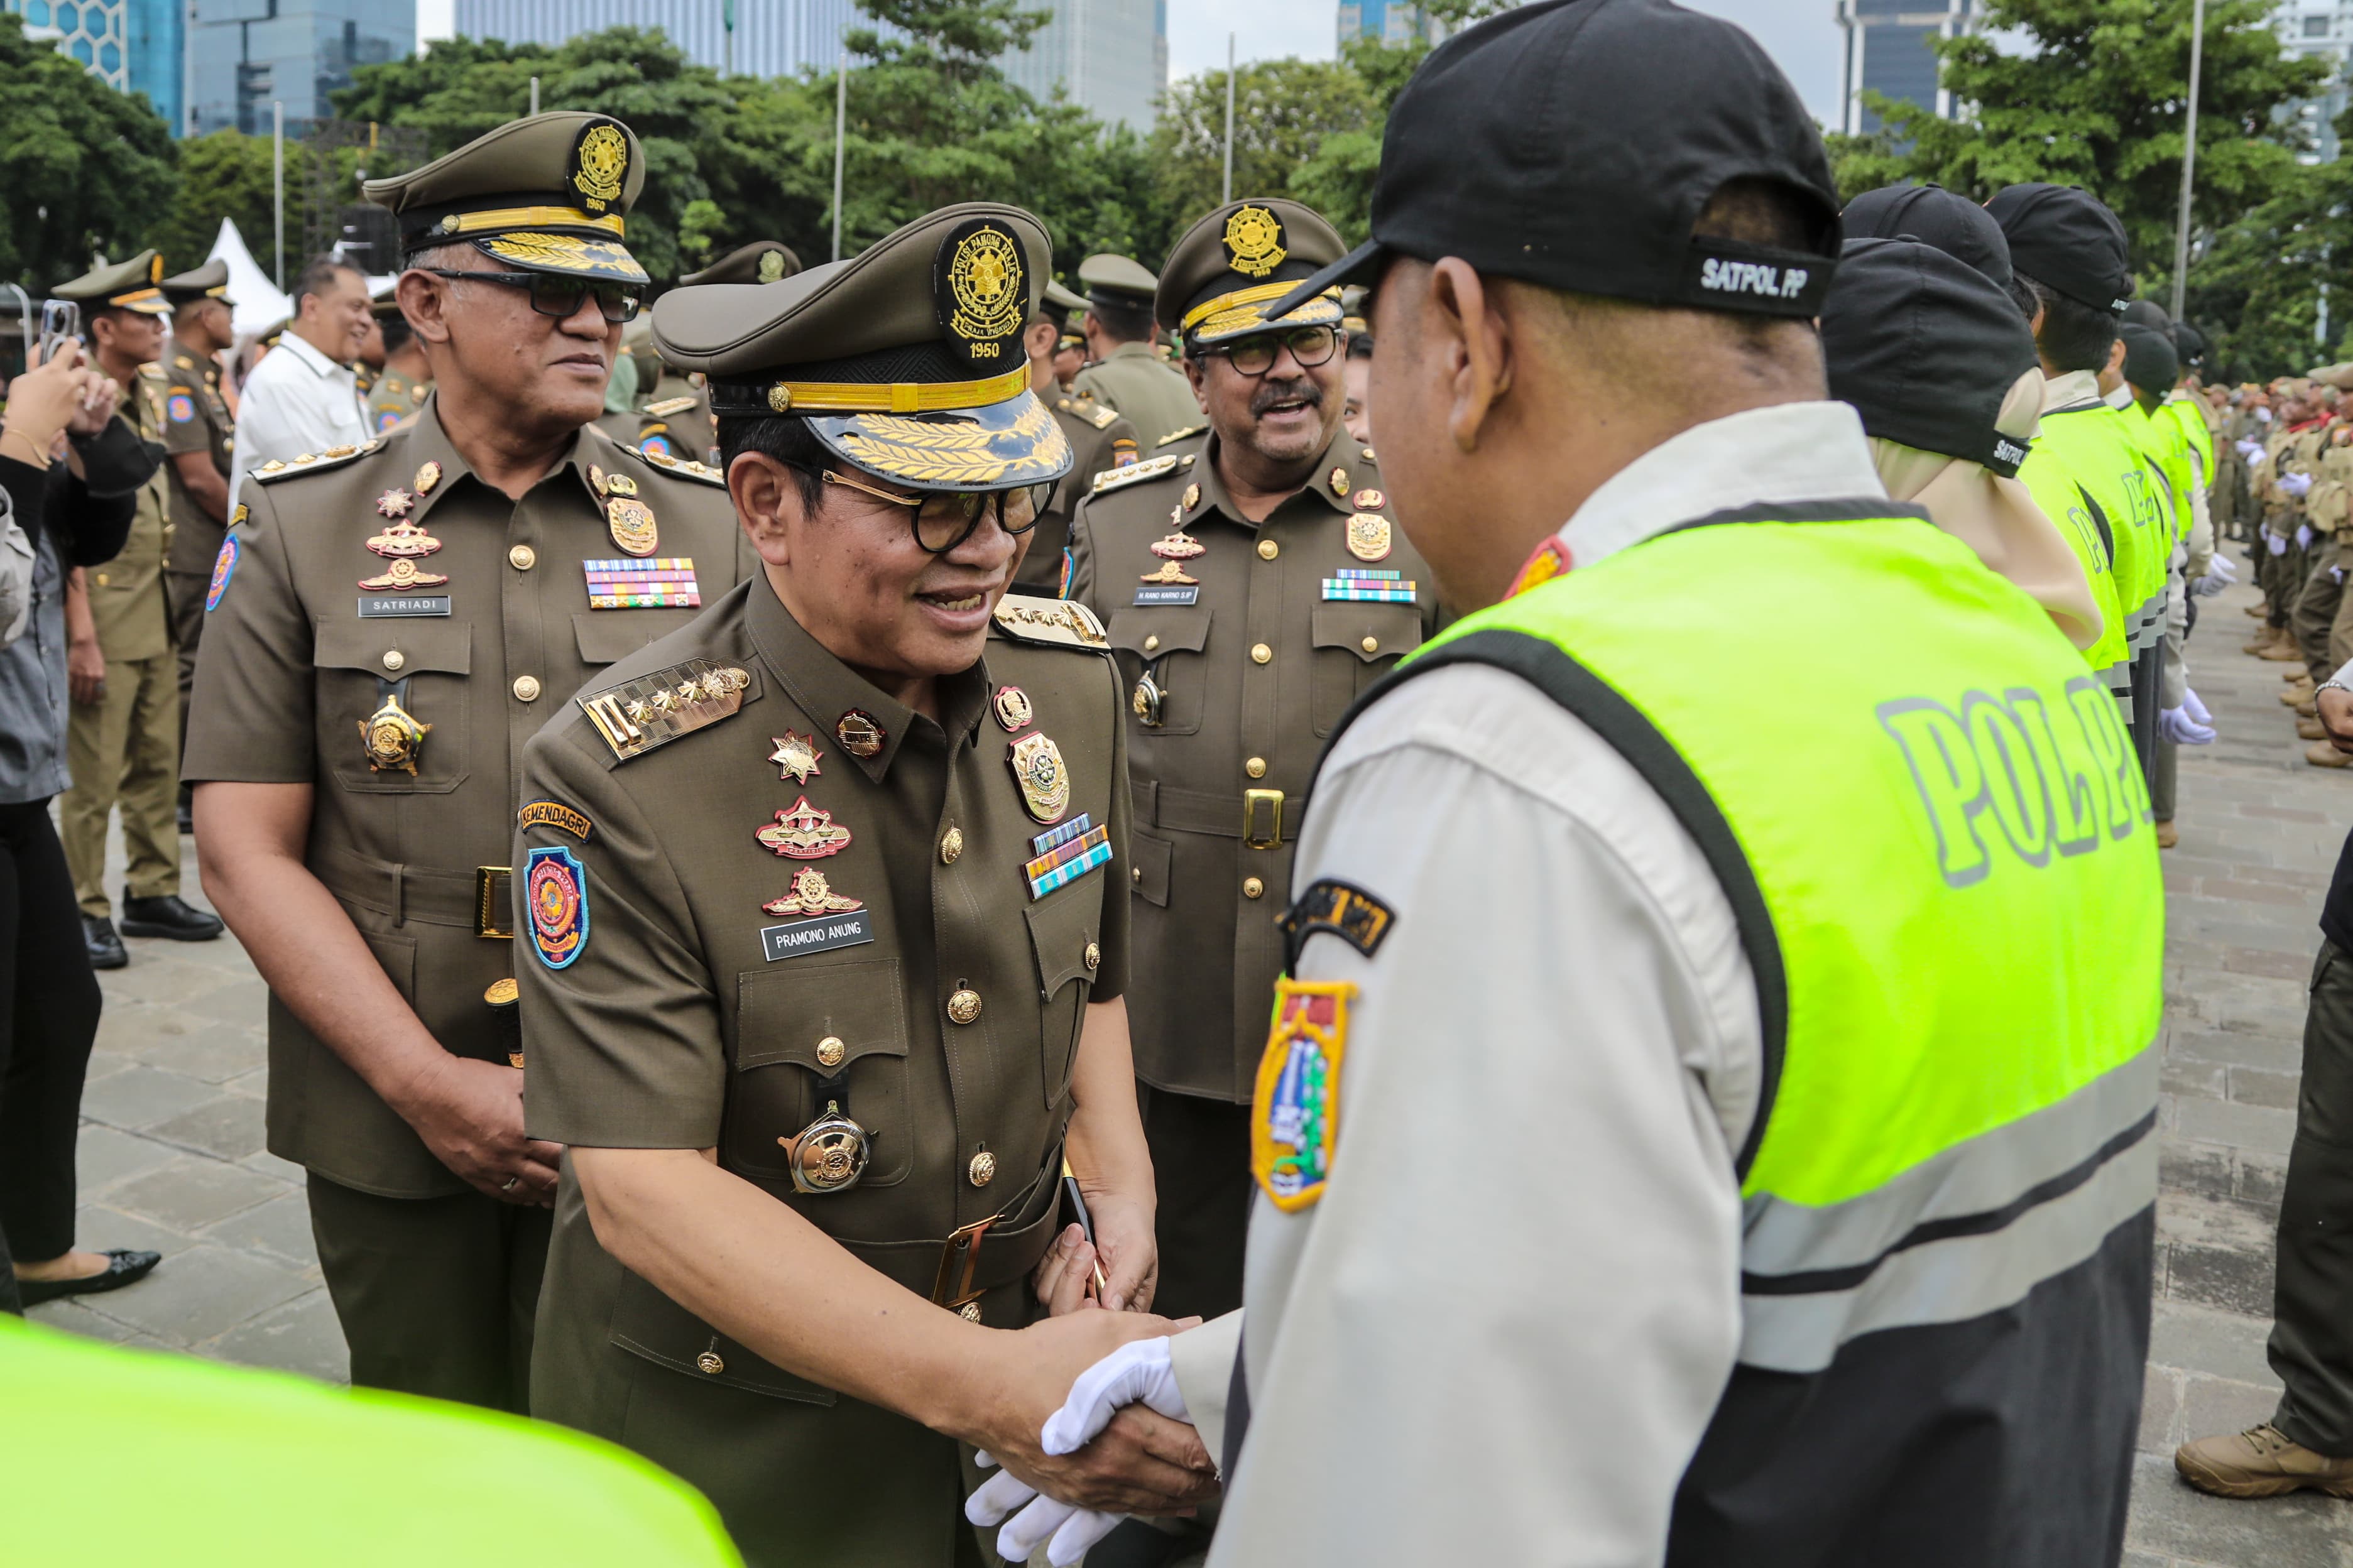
x=956, y=1272
x=1260, y=817
x=477, y=900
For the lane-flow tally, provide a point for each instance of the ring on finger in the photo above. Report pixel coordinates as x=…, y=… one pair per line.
x=509, y=1183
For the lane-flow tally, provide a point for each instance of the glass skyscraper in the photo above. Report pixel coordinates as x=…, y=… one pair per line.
x=243, y=55
x=1887, y=52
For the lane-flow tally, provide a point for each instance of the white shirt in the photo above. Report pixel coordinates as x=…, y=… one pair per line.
x=1502, y=1331
x=297, y=400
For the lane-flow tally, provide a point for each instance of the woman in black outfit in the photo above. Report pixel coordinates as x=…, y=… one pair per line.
x=73, y=499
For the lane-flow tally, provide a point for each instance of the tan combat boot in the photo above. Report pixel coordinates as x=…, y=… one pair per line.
x=2260, y=1462
x=2261, y=639
x=2310, y=730
x=2294, y=675
x=2325, y=755
x=2281, y=649
x=2290, y=696
x=2168, y=836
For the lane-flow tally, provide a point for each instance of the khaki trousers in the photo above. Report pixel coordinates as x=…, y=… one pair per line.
x=125, y=747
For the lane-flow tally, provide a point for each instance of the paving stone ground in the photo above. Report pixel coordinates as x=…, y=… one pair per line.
x=171, y=1152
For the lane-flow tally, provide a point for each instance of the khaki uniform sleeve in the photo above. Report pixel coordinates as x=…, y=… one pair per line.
x=251, y=718
x=1082, y=563
x=1111, y=979
x=621, y=1046
x=185, y=427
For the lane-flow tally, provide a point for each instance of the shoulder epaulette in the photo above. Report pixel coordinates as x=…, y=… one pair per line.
x=669, y=405
x=153, y=371
x=1112, y=479
x=654, y=710
x=1368, y=456
x=270, y=472
x=183, y=362
x=1101, y=419
x=1175, y=436
x=684, y=468
x=1058, y=623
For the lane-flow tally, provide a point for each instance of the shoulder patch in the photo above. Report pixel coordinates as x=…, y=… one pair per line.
x=1120, y=478
x=153, y=371
x=685, y=468
x=272, y=472
x=1348, y=911
x=1102, y=418
x=556, y=887
x=232, y=551
x=1176, y=435
x=1061, y=622
x=183, y=362
x=1295, y=1114
x=669, y=405
x=555, y=814
x=654, y=710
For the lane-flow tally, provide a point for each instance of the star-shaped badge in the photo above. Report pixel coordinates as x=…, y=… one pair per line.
x=395, y=503
x=797, y=754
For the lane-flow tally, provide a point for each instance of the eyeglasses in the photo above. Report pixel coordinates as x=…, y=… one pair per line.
x=558, y=297
x=1255, y=355
x=942, y=521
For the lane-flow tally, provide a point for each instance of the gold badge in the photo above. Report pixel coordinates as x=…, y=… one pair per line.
x=1179, y=546
x=797, y=754
x=810, y=894
x=964, y=1006
x=980, y=290
x=395, y=503
x=772, y=266
x=858, y=733
x=1367, y=501
x=631, y=523
x=392, y=738
x=1192, y=496
x=404, y=544
x=1045, y=781
x=654, y=710
x=1146, y=700
x=1339, y=482
x=1169, y=575
x=426, y=477
x=1368, y=536
x=803, y=833
x=1254, y=241
x=829, y=1154
x=621, y=485
x=401, y=577
x=1013, y=710
x=502, y=992
x=600, y=165
x=596, y=480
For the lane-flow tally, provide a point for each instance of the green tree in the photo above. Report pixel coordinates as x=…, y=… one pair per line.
x=86, y=165
x=1285, y=115
x=225, y=174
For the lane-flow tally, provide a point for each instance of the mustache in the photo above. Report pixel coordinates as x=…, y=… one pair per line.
x=1298, y=389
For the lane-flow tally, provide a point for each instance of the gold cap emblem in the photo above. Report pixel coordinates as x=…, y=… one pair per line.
x=1254, y=241
x=772, y=266
x=981, y=291
x=600, y=165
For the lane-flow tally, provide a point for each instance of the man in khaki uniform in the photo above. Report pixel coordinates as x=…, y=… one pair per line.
x=828, y=938
x=1124, y=373
x=390, y=622
x=1100, y=439
x=1254, y=582
x=401, y=386
x=2280, y=481
x=198, y=431
x=123, y=740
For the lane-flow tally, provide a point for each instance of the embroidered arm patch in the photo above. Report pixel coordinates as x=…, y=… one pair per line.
x=1348, y=911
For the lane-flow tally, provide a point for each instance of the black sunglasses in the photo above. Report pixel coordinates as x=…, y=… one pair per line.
x=559, y=297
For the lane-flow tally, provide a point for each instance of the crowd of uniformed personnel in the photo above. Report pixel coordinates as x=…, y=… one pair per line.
x=773, y=824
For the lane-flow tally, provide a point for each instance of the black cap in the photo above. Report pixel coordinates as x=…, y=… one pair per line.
x=2065, y=236
x=1927, y=348
x=1533, y=146
x=2150, y=363
x=2147, y=313
x=2190, y=343
x=1933, y=215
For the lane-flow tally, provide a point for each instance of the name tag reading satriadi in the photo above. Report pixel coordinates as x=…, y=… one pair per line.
x=395, y=606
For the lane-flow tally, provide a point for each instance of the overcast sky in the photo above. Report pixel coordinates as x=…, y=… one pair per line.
x=1798, y=33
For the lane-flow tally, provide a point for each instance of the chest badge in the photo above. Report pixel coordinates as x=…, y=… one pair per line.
x=631, y=523
x=427, y=475
x=404, y=543
x=1045, y=779
x=1178, y=545
x=858, y=733
x=1167, y=574
x=798, y=755
x=1339, y=482
x=393, y=737
x=1013, y=710
x=1369, y=537
x=394, y=502
x=1367, y=501
x=809, y=893
x=804, y=833
x=830, y=1153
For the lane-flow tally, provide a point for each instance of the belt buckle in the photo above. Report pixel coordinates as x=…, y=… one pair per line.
x=1266, y=803
x=494, y=902
x=960, y=1255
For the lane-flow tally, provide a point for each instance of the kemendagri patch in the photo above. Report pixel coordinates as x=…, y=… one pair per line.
x=557, y=888
x=224, y=568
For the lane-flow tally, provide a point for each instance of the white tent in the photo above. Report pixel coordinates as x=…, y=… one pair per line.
x=255, y=303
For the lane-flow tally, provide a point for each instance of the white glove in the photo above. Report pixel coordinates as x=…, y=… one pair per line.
x=2304, y=532
x=2293, y=485
x=1138, y=1373
x=2195, y=709
x=2251, y=449
x=2274, y=544
x=2337, y=574
x=2177, y=726
x=2263, y=415
x=2221, y=572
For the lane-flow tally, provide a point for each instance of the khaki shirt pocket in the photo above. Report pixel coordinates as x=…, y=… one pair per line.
x=1355, y=645
x=1065, y=932
x=786, y=1021
x=608, y=637
x=650, y=1326
x=1149, y=875
x=435, y=657
x=1168, y=640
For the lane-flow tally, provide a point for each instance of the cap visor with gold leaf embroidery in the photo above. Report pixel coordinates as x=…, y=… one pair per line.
x=906, y=359
x=548, y=193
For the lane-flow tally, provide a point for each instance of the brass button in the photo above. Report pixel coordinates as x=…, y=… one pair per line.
x=1267, y=549
x=983, y=1169
x=1255, y=767
x=101, y=579
x=523, y=558
x=969, y=1312
x=1371, y=644
x=964, y=1007
x=1151, y=644
x=394, y=659
x=830, y=1050
x=526, y=687
x=951, y=845
x=711, y=1363
x=1135, y=875
x=1260, y=653
x=1092, y=957
x=1252, y=888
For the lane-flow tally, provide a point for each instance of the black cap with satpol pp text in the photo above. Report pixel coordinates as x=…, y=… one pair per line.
x=1927, y=348
x=2065, y=236
x=1533, y=146
x=1933, y=215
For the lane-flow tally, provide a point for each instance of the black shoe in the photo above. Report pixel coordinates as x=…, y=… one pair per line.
x=105, y=947
x=123, y=1268
x=168, y=916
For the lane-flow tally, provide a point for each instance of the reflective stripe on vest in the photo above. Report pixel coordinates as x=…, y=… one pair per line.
x=1940, y=864
x=2083, y=523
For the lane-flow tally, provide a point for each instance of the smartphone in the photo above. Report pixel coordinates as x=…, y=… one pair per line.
x=60, y=320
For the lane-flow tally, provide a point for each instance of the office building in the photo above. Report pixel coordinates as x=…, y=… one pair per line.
x=95, y=32
x=244, y=55
x=1393, y=22
x=1110, y=56
x=2322, y=30
x=1888, y=52
x=771, y=37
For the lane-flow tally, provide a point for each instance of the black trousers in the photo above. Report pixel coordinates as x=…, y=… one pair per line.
x=437, y=1295
x=1200, y=1165
x=2312, y=1294
x=48, y=1018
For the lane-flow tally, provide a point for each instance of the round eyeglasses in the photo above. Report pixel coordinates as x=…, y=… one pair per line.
x=944, y=518
x=1255, y=355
